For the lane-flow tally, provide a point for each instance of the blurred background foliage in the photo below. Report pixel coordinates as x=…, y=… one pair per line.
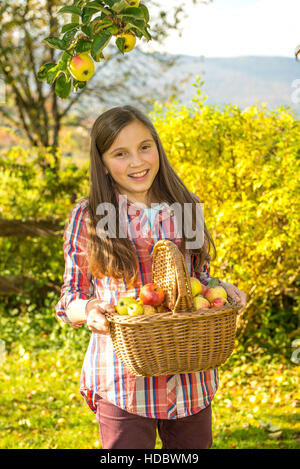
x=244, y=166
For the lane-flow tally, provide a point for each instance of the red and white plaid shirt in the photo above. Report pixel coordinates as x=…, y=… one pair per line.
x=103, y=373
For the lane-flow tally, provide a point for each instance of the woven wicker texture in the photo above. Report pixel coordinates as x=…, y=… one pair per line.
x=179, y=341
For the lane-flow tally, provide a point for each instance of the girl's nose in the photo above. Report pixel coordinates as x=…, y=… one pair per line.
x=135, y=159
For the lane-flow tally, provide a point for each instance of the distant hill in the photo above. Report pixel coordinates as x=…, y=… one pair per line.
x=243, y=81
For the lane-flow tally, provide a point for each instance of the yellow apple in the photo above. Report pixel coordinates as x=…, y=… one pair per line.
x=130, y=41
x=215, y=292
x=82, y=67
x=122, y=306
x=135, y=308
x=200, y=302
x=196, y=286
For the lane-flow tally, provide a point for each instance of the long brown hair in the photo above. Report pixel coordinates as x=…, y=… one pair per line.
x=113, y=257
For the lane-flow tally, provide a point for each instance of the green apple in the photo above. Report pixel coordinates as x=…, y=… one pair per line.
x=200, y=302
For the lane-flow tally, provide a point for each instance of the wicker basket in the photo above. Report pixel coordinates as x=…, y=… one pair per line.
x=179, y=341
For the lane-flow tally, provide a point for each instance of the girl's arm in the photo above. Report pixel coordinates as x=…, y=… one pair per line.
x=77, y=288
x=76, y=311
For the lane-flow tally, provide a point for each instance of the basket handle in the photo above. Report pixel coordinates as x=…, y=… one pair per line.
x=179, y=291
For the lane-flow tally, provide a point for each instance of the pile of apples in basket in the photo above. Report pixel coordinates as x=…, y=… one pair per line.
x=152, y=297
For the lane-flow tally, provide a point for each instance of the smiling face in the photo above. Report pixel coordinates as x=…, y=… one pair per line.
x=134, y=150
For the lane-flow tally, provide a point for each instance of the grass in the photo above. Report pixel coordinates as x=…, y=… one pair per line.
x=256, y=405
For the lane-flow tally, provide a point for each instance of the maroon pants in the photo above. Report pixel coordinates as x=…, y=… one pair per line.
x=122, y=430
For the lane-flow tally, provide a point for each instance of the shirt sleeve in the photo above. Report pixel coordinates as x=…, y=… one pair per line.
x=77, y=280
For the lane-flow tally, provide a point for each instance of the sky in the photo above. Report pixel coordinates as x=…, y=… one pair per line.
x=232, y=28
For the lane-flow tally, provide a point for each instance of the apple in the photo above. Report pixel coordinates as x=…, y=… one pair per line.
x=148, y=309
x=135, y=308
x=197, y=287
x=130, y=41
x=122, y=306
x=215, y=292
x=152, y=294
x=200, y=302
x=82, y=67
x=217, y=302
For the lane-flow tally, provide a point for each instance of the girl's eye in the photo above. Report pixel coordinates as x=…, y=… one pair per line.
x=144, y=147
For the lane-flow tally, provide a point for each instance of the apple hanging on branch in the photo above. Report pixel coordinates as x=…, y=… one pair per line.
x=85, y=37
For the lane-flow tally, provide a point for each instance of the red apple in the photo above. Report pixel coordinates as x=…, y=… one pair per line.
x=218, y=302
x=152, y=294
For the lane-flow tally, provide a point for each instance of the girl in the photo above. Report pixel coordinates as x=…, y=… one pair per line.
x=129, y=170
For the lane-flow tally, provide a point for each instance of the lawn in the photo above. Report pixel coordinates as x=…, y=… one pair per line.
x=256, y=406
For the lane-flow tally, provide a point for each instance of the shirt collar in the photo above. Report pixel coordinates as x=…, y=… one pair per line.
x=134, y=210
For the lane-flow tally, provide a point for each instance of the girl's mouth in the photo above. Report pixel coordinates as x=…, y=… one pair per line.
x=140, y=175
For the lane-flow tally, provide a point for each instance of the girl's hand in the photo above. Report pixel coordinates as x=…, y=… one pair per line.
x=235, y=293
x=95, y=318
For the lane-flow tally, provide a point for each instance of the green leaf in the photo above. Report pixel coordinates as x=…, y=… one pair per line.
x=68, y=36
x=120, y=43
x=87, y=14
x=69, y=27
x=83, y=46
x=88, y=30
x=132, y=26
x=95, y=5
x=78, y=84
x=70, y=9
x=42, y=73
x=100, y=41
x=145, y=12
x=55, y=43
x=119, y=6
x=132, y=12
x=136, y=32
x=63, y=86
x=52, y=73
x=62, y=65
x=213, y=282
x=135, y=22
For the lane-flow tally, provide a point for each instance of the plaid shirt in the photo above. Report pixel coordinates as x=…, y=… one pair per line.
x=103, y=373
